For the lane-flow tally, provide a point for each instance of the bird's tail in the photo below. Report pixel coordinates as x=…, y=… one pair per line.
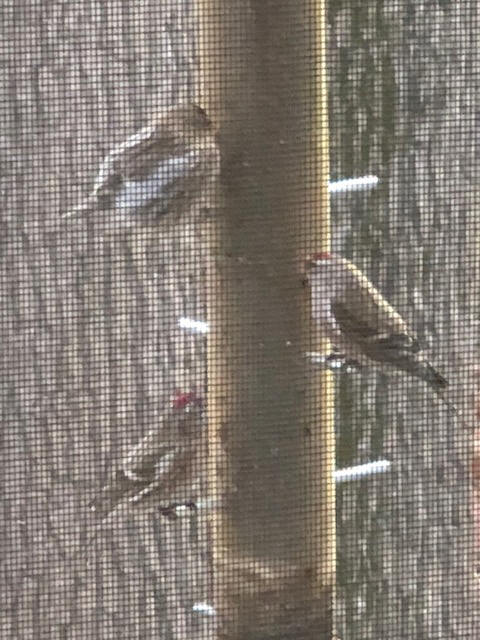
x=433, y=377
x=442, y=394
x=441, y=387
x=110, y=496
x=425, y=371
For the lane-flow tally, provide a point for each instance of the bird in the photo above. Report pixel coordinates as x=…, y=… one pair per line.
x=354, y=316
x=163, y=467
x=156, y=173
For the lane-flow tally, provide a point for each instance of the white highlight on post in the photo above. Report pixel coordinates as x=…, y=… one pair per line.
x=197, y=326
x=341, y=475
x=204, y=609
x=362, y=471
x=353, y=184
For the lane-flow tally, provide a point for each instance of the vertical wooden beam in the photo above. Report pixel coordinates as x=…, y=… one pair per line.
x=262, y=77
x=321, y=467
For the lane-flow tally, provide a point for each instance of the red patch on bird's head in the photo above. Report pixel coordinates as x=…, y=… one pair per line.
x=184, y=399
x=315, y=258
x=323, y=255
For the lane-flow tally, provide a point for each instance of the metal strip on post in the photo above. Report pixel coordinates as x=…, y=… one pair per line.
x=263, y=79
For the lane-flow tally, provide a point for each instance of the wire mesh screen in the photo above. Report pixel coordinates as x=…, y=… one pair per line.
x=224, y=305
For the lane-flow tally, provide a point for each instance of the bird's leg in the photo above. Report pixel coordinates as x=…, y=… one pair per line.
x=170, y=511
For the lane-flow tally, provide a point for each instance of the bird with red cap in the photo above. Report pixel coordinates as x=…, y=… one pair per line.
x=163, y=467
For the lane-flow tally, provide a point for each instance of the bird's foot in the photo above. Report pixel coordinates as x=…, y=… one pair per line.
x=333, y=361
x=172, y=511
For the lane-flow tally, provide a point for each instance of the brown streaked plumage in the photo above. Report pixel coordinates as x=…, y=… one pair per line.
x=157, y=172
x=356, y=318
x=163, y=467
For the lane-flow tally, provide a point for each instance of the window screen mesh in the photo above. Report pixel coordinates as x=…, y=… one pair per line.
x=166, y=464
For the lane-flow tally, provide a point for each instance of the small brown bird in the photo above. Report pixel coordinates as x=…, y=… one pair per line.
x=164, y=465
x=157, y=172
x=353, y=315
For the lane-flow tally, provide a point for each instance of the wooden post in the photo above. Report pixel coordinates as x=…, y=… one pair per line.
x=262, y=77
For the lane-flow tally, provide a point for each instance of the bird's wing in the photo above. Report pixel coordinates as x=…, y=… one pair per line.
x=136, y=475
x=167, y=471
x=173, y=177
x=113, y=493
x=141, y=463
x=180, y=173
x=401, y=350
x=350, y=324
x=378, y=345
x=116, y=163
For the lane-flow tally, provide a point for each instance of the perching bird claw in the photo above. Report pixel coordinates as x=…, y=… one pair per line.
x=170, y=511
